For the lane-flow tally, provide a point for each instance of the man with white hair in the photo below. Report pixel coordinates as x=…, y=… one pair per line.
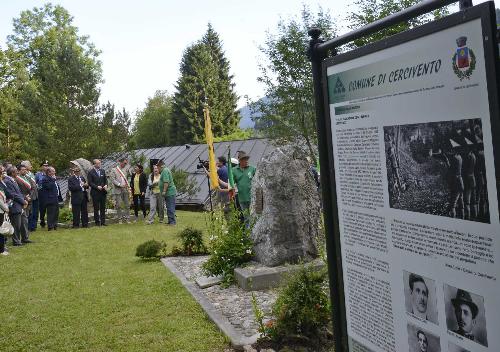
x=33, y=218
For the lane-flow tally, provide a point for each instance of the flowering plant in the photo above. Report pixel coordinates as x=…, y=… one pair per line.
x=230, y=244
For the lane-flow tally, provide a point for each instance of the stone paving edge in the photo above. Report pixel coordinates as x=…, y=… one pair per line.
x=237, y=341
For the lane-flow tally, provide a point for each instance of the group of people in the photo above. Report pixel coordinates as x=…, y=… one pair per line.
x=243, y=174
x=24, y=197
x=123, y=187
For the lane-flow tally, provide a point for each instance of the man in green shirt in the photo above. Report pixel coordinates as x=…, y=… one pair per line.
x=243, y=175
x=168, y=190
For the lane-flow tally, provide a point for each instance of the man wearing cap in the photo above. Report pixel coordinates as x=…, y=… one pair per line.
x=38, y=178
x=419, y=294
x=78, y=186
x=465, y=313
x=243, y=175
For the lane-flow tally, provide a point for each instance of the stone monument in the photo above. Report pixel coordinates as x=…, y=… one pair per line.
x=286, y=209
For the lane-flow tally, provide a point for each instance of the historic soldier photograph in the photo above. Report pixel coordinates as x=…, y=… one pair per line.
x=420, y=297
x=438, y=168
x=420, y=340
x=465, y=314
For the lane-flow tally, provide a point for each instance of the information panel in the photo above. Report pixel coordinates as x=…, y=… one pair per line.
x=416, y=188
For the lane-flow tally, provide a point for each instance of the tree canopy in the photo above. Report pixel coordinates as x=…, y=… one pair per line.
x=288, y=112
x=49, y=92
x=204, y=79
x=368, y=11
x=153, y=123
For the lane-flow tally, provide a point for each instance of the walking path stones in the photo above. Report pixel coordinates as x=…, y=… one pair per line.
x=230, y=308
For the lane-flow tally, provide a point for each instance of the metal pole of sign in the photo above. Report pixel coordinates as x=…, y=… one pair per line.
x=329, y=207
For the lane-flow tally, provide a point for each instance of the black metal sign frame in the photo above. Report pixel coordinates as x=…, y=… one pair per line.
x=318, y=52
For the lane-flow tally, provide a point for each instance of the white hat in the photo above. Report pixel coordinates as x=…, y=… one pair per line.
x=234, y=161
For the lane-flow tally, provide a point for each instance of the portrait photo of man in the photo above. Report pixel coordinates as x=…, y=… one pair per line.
x=465, y=315
x=420, y=297
x=420, y=340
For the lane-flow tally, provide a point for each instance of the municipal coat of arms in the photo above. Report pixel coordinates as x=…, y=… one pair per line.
x=464, y=60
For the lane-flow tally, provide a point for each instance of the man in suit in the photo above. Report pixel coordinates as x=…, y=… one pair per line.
x=78, y=187
x=38, y=177
x=18, y=204
x=98, y=190
x=33, y=218
x=24, y=183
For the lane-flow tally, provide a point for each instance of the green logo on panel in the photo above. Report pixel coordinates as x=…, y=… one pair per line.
x=339, y=87
x=464, y=60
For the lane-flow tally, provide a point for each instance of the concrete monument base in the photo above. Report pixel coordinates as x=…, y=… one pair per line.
x=259, y=277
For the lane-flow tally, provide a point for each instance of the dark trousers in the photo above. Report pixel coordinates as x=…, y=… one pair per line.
x=52, y=215
x=33, y=219
x=142, y=200
x=80, y=212
x=99, y=203
x=43, y=210
x=2, y=237
x=15, y=220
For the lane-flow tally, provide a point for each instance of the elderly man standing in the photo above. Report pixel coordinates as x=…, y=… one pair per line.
x=38, y=177
x=243, y=175
x=15, y=195
x=98, y=190
x=78, y=186
x=33, y=218
x=24, y=183
x=121, y=190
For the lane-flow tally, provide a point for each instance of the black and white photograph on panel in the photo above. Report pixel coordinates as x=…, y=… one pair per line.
x=455, y=348
x=465, y=314
x=438, y=168
x=420, y=340
x=420, y=297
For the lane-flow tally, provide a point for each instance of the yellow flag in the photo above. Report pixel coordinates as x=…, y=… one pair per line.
x=214, y=180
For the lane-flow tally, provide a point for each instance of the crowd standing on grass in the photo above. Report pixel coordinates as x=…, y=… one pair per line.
x=28, y=200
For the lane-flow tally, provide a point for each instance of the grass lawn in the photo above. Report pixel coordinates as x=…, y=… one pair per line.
x=84, y=290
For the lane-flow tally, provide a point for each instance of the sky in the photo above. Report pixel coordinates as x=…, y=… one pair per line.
x=142, y=41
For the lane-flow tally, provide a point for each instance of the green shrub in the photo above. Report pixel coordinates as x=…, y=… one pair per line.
x=230, y=244
x=65, y=215
x=151, y=249
x=302, y=307
x=192, y=241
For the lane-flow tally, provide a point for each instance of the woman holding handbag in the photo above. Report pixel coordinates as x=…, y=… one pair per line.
x=4, y=209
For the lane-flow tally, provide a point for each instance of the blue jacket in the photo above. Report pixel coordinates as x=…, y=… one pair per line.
x=13, y=192
x=48, y=193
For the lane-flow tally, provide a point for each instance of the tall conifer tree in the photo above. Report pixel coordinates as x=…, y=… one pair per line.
x=204, y=78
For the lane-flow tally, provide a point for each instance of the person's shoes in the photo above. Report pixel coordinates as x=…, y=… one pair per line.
x=104, y=224
x=17, y=244
x=28, y=241
x=42, y=224
x=85, y=226
x=75, y=227
x=172, y=224
x=4, y=253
